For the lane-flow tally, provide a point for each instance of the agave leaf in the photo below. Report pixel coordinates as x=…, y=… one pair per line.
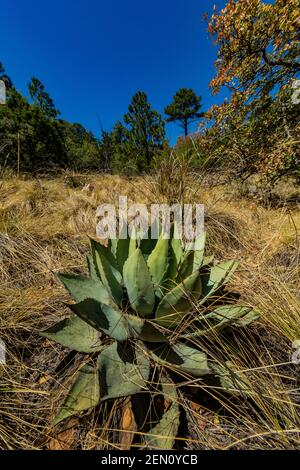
x=139, y=285
x=216, y=277
x=105, y=252
x=83, y=395
x=112, y=322
x=92, y=268
x=147, y=243
x=81, y=288
x=199, y=251
x=74, y=333
x=231, y=380
x=133, y=241
x=122, y=252
x=235, y=315
x=176, y=243
x=151, y=334
x=178, y=301
x=108, y=270
x=247, y=319
x=169, y=280
x=116, y=324
x=112, y=245
x=123, y=370
x=158, y=263
x=193, y=257
x=186, y=265
x=223, y=317
x=198, y=259
x=207, y=261
x=197, y=246
x=163, y=434
x=181, y=358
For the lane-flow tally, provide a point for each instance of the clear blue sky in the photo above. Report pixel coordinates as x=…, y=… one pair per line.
x=93, y=55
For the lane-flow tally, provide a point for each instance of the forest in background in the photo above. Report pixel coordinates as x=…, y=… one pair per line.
x=256, y=131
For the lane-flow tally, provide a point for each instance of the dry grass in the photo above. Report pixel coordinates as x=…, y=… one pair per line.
x=43, y=228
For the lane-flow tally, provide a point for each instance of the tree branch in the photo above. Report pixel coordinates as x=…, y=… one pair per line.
x=279, y=62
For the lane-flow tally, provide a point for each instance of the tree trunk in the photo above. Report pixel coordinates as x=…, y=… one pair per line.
x=185, y=128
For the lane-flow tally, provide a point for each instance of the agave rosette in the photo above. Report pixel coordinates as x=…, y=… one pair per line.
x=142, y=293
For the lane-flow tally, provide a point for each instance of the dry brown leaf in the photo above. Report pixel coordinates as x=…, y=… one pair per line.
x=202, y=422
x=195, y=406
x=200, y=418
x=63, y=440
x=216, y=420
x=44, y=379
x=127, y=424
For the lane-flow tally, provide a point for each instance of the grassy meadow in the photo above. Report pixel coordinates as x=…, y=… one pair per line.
x=44, y=225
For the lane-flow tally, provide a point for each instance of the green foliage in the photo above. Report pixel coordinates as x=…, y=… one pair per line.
x=76, y=334
x=262, y=139
x=138, y=283
x=83, y=395
x=184, y=109
x=139, y=294
x=257, y=129
x=146, y=129
x=33, y=131
x=123, y=370
x=131, y=147
x=258, y=45
x=41, y=98
x=162, y=435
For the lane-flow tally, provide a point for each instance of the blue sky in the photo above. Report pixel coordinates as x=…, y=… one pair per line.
x=93, y=55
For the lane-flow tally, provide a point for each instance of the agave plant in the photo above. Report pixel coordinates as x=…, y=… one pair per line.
x=139, y=311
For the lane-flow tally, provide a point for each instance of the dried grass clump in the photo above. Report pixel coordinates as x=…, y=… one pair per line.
x=49, y=235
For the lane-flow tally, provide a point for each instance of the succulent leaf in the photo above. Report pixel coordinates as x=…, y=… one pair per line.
x=181, y=358
x=235, y=315
x=176, y=244
x=216, y=277
x=81, y=288
x=178, y=301
x=122, y=251
x=83, y=395
x=112, y=244
x=147, y=244
x=74, y=333
x=186, y=266
x=170, y=277
x=193, y=257
x=163, y=434
x=151, y=334
x=133, y=241
x=114, y=323
x=223, y=317
x=158, y=263
x=123, y=370
x=207, y=261
x=138, y=283
x=199, y=245
x=108, y=270
x=231, y=380
x=92, y=268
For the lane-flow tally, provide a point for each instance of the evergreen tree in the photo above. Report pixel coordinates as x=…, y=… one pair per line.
x=41, y=98
x=184, y=109
x=146, y=129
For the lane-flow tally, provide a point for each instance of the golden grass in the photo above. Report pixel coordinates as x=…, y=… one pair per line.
x=43, y=229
